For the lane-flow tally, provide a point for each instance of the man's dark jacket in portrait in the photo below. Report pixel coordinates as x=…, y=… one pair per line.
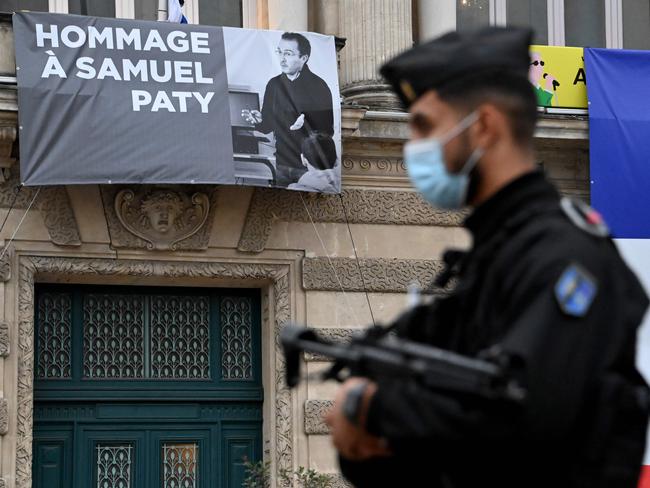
x=284, y=101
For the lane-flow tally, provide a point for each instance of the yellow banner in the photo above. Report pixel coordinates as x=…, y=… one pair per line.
x=558, y=75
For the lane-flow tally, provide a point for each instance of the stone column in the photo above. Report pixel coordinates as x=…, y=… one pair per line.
x=436, y=18
x=324, y=16
x=288, y=15
x=375, y=31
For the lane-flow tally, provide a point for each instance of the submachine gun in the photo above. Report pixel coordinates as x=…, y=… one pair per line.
x=380, y=355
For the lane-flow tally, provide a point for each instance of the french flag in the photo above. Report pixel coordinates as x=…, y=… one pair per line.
x=175, y=12
x=618, y=85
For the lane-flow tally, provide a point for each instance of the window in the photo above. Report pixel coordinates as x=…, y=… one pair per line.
x=13, y=5
x=532, y=13
x=96, y=335
x=581, y=23
x=584, y=23
x=221, y=12
x=96, y=8
x=636, y=24
x=146, y=9
x=472, y=14
x=209, y=12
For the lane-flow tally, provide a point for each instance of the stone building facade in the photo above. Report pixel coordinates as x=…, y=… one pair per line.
x=295, y=249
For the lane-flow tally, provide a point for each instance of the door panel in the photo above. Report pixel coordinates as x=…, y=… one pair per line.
x=239, y=444
x=52, y=459
x=182, y=458
x=112, y=458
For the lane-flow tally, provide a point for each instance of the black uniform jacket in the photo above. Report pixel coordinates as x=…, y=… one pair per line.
x=284, y=101
x=577, y=370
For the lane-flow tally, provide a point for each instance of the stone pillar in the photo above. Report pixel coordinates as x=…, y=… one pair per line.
x=288, y=15
x=375, y=31
x=436, y=18
x=324, y=16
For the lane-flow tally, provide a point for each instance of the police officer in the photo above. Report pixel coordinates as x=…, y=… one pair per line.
x=542, y=286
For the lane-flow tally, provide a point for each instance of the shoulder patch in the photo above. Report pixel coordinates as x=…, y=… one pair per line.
x=584, y=217
x=575, y=291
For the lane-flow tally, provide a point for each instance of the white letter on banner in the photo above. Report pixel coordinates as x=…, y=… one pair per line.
x=52, y=67
x=198, y=68
x=138, y=69
x=69, y=29
x=200, y=42
x=203, y=101
x=162, y=101
x=86, y=70
x=140, y=98
x=182, y=99
x=155, y=76
x=154, y=40
x=96, y=37
x=109, y=69
x=133, y=37
x=180, y=46
x=183, y=72
x=53, y=35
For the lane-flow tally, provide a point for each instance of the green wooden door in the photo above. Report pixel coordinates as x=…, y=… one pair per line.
x=143, y=387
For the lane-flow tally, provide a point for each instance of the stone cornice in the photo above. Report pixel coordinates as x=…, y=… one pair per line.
x=359, y=206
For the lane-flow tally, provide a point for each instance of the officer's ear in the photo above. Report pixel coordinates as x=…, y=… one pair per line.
x=490, y=128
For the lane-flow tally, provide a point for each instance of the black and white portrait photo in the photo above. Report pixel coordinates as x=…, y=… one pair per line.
x=284, y=108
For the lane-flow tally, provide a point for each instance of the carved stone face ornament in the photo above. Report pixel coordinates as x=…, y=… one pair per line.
x=161, y=208
x=162, y=217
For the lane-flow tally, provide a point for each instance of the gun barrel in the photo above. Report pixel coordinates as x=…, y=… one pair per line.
x=390, y=357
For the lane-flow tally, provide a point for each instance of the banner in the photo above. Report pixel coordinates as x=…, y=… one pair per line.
x=120, y=101
x=558, y=75
x=619, y=121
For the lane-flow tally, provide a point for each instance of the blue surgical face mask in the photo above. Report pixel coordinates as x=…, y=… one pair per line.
x=426, y=168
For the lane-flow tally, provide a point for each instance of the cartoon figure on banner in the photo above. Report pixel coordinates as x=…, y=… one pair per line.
x=545, y=84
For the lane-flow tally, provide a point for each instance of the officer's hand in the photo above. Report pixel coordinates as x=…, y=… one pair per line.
x=353, y=442
x=300, y=121
x=252, y=116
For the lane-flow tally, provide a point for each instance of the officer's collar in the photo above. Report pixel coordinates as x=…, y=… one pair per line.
x=515, y=197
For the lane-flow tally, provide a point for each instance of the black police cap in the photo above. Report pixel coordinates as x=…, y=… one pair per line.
x=454, y=56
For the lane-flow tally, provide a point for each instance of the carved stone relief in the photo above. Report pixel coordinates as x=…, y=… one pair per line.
x=314, y=412
x=5, y=263
x=373, y=274
x=53, y=203
x=30, y=266
x=336, y=481
x=359, y=206
x=331, y=334
x=58, y=216
x=369, y=166
x=4, y=339
x=4, y=416
x=160, y=218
